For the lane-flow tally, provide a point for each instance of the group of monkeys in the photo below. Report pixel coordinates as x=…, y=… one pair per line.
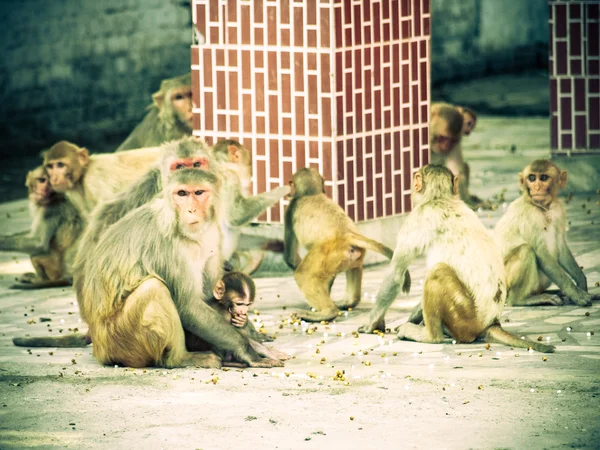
x=143, y=235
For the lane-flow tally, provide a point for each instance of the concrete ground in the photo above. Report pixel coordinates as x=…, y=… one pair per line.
x=395, y=394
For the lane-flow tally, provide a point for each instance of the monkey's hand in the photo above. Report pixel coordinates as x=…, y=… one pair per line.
x=238, y=320
x=407, y=283
x=372, y=327
x=580, y=297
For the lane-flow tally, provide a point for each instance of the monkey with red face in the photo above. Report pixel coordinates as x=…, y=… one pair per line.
x=532, y=236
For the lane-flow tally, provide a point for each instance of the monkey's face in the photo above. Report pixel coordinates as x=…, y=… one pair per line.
x=192, y=203
x=540, y=186
x=469, y=123
x=61, y=173
x=181, y=102
x=239, y=304
x=39, y=186
x=443, y=140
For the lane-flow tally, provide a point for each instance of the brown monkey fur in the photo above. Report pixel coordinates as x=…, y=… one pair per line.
x=240, y=208
x=465, y=287
x=88, y=179
x=445, y=134
x=169, y=118
x=52, y=240
x=147, y=278
x=232, y=297
x=333, y=242
x=532, y=237
x=469, y=120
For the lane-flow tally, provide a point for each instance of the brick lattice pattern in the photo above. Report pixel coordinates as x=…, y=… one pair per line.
x=342, y=86
x=575, y=77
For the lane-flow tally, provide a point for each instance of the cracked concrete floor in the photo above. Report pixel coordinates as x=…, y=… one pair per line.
x=397, y=394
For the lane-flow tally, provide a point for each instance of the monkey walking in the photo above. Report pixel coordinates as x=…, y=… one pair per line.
x=334, y=245
x=465, y=288
x=532, y=237
x=52, y=242
x=170, y=116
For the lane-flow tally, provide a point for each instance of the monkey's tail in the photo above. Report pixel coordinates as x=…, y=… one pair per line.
x=41, y=284
x=497, y=334
x=361, y=241
x=76, y=340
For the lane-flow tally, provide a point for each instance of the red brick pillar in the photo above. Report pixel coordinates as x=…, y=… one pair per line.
x=342, y=86
x=575, y=77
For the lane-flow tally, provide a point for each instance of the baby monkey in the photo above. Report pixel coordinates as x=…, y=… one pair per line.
x=232, y=298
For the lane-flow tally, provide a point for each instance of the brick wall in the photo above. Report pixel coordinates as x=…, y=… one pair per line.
x=341, y=86
x=84, y=70
x=575, y=76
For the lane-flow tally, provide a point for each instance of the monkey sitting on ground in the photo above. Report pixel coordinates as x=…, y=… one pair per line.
x=465, y=287
x=87, y=180
x=446, y=129
x=169, y=118
x=147, y=279
x=54, y=233
x=229, y=158
x=333, y=242
x=532, y=237
x=232, y=297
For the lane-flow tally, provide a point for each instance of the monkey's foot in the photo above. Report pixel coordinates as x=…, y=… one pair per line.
x=247, y=261
x=371, y=327
x=411, y=332
x=266, y=362
x=273, y=353
x=263, y=337
x=207, y=360
x=317, y=316
x=346, y=304
x=541, y=299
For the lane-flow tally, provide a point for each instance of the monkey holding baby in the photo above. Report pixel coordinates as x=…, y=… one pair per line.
x=52, y=241
x=465, y=288
x=532, y=238
x=334, y=245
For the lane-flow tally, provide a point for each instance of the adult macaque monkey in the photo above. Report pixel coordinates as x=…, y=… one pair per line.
x=169, y=118
x=89, y=179
x=333, y=242
x=532, y=237
x=54, y=233
x=465, y=287
x=147, y=278
x=235, y=162
x=446, y=129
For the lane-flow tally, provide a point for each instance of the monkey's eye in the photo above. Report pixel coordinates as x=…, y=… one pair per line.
x=544, y=177
x=179, y=166
x=178, y=97
x=41, y=180
x=199, y=192
x=60, y=164
x=48, y=166
x=197, y=164
x=181, y=193
x=531, y=178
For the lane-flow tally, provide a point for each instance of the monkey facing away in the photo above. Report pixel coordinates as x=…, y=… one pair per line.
x=334, y=245
x=232, y=298
x=446, y=129
x=88, y=179
x=465, y=288
x=532, y=237
x=55, y=231
x=148, y=277
x=169, y=118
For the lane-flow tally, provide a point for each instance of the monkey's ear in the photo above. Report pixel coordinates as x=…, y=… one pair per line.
x=418, y=182
x=455, y=184
x=83, y=155
x=521, y=180
x=219, y=290
x=562, y=179
x=235, y=154
x=158, y=98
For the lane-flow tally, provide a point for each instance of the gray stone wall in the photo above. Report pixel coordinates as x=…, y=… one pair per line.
x=480, y=37
x=83, y=70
